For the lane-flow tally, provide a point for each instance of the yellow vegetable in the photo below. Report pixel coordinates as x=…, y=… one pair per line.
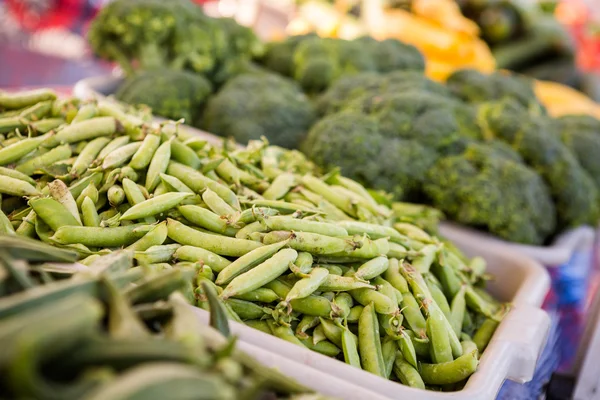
x=562, y=100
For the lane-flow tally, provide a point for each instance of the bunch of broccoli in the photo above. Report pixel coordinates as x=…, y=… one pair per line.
x=152, y=34
x=485, y=189
x=481, y=149
x=170, y=93
x=315, y=63
x=257, y=104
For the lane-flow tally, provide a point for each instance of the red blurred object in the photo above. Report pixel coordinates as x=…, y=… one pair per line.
x=578, y=17
x=34, y=15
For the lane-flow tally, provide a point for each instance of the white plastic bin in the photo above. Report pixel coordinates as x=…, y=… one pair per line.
x=512, y=352
x=558, y=253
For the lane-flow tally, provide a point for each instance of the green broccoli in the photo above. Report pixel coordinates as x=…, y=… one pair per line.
x=575, y=194
x=170, y=93
x=581, y=134
x=475, y=87
x=480, y=189
x=355, y=143
x=279, y=55
x=258, y=104
x=157, y=34
x=433, y=121
x=175, y=34
x=392, y=55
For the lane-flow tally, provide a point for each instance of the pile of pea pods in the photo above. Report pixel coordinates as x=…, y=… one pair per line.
x=114, y=331
x=313, y=258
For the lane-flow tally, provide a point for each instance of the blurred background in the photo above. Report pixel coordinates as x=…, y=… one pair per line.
x=43, y=41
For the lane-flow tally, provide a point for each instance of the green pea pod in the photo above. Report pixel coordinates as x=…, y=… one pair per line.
x=204, y=218
x=382, y=303
x=98, y=237
x=17, y=187
x=337, y=283
x=47, y=125
x=388, y=350
x=25, y=98
x=184, y=154
x=77, y=187
x=158, y=165
x=407, y=349
x=350, y=349
x=12, y=173
x=84, y=130
x=393, y=276
x=254, y=213
x=449, y=372
x=332, y=331
x=421, y=345
x=60, y=192
x=322, y=189
x=369, y=342
x=440, y=299
x=89, y=213
x=198, y=254
x=53, y=213
x=307, y=286
x=175, y=184
x=90, y=191
x=458, y=310
x=282, y=207
x=246, y=309
x=27, y=226
x=282, y=223
x=199, y=182
x=412, y=314
x=284, y=332
x=112, y=146
x=86, y=112
x=369, y=249
x=280, y=186
x=261, y=274
x=32, y=165
x=155, y=237
x=6, y=227
x=252, y=228
x=324, y=347
x=372, y=268
x=120, y=156
x=313, y=243
x=354, y=314
x=156, y=254
x=318, y=334
x=154, y=206
x=221, y=245
x=216, y=203
x=17, y=150
x=438, y=336
x=143, y=156
x=260, y=325
x=407, y=374
x=484, y=334
x=342, y=304
x=248, y=261
x=307, y=322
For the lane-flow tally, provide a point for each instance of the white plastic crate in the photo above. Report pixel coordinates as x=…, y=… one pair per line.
x=512, y=352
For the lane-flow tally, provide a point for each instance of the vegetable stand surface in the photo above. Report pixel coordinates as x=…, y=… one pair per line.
x=289, y=250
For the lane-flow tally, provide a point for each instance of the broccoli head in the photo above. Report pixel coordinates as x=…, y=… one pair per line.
x=354, y=142
x=157, y=34
x=499, y=195
x=392, y=55
x=581, y=134
x=258, y=104
x=475, y=87
x=171, y=94
x=348, y=88
x=433, y=121
x=536, y=140
x=279, y=55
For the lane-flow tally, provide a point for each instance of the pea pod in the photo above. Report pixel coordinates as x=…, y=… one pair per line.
x=17, y=187
x=34, y=164
x=53, y=213
x=84, y=130
x=407, y=374
x=25, y=98
x=282, y=223
x=143, y=156
x=16, y=151
x=198, y=254
x=98, y=237
x=280, y=186
x=372, y=268
x=248, y=261
x=307, y=286
x=313, y=243
x=449, y=372
x=154, y=206
x=261, y=274
x=369, y=342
